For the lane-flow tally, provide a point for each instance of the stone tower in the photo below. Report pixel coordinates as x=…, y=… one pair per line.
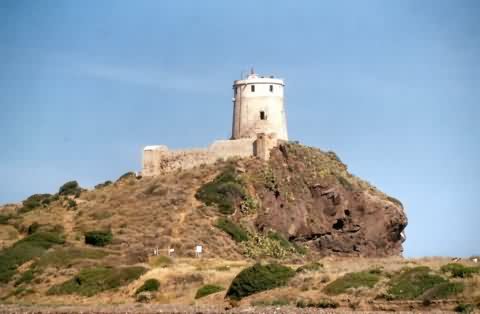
x=258, y=107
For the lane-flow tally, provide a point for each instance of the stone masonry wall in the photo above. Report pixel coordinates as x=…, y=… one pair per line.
x=159, y=159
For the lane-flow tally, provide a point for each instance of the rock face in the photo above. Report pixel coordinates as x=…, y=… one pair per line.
x=309, y=197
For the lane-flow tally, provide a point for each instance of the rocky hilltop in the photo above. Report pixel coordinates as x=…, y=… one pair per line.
x=302, y=201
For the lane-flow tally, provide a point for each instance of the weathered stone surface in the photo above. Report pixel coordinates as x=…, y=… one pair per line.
x=310, y=198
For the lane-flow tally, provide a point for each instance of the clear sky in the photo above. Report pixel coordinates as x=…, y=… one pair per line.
x=392, y=86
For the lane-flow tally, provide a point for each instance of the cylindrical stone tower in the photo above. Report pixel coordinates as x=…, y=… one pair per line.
x=258, y=107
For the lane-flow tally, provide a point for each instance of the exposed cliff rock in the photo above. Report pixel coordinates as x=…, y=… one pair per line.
x=308, y=196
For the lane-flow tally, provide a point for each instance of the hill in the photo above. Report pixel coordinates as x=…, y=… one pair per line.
x=300, y=207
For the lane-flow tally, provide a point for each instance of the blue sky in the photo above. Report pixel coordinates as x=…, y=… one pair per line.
x=392, y=86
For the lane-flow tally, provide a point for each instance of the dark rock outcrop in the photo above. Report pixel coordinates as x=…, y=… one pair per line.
x=309, y=197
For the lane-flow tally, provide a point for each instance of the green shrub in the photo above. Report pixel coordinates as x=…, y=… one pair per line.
x=322, y=304
x=259, y=245
x=443, y=290
x=104, y=184
x=98, y=238
x=315, y=266
x=71, y=204
x=33, y=228
x=34, y=201
x=208, y=289
x=464, y=308
x=26, y=277
x=459, y=270
x=233, y=230
x=4, y=219
x=90, y=281
x=274, y=302
x=259, y=278
x=226, y=191
x=70, y=188
x=25, y=250
x=284, y=243
x=127, y=175
x=148, y=285
x=411, y=283
x=352, y=280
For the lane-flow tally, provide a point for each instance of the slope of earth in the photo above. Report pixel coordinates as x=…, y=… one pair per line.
x=110, y=244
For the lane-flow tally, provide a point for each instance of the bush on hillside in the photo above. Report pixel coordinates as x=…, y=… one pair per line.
x=352, y=280
x=259, y=278
x=411, y=283
x=90, y=281
x=127, y=175
x=98, y=237
x=226, y=191
x=236, y=232
x=459, y=270
x=35, y=201
x=208, y=289
x=33, y=228
x=104, y=184
x=322, y=304
x=4, y=219
x=148, y=285
x=25, y=250
x=70, y=188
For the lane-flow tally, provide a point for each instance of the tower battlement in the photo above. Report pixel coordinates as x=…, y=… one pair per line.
x=259, y=122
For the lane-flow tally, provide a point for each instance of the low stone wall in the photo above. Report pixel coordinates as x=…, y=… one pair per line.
x=159, y=159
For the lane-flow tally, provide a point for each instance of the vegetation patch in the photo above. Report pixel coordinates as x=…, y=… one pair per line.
x=161, y=261
x=35, y=201
x=4, y=219
x=208, y=289
x=102, y=185
x=25, y=250
x=149, y=285
x=62, y=257
x=464, y=308
x=91, y=281
x=459, y=270
x=226, y=191
x=98, y=238
x=259, y=278
x=127, y=175
x=443, y=290
x=320, y=304
x=274, y=302
x=70, y=188
x=352, y=280
x=311, y=267
x=26, y=277
x=287, y=245
x=411, y=283
x=263, y=246
x=236, y=232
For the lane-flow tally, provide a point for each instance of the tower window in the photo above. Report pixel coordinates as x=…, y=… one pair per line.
x=262, y=115
x=271, y=88
x=252, y=88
